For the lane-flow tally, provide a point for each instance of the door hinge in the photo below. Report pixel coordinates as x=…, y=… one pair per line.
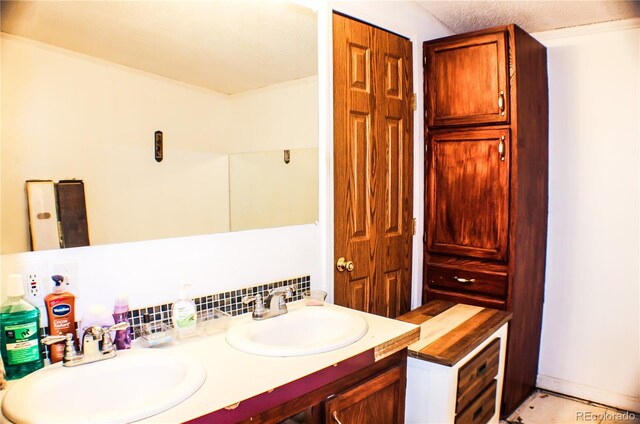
x=413, y=226
x=414, y=102
x=424, y=237
x=424, y=60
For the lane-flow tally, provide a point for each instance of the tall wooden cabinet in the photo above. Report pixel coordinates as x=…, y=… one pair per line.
x=486, y=184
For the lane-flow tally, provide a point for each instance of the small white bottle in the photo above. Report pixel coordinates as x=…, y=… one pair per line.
x=184, y=314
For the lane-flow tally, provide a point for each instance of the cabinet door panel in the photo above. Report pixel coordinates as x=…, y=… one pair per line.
x=468, y=193
x=379, y=400
x=467, y=81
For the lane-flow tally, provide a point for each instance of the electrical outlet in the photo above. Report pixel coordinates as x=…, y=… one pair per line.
x=69, y=270
x=36, y=282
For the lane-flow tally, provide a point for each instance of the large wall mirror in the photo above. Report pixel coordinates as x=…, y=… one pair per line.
x=232, y=85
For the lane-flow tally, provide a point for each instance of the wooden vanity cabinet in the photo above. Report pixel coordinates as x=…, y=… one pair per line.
x=486, y=195
x=374, y=394
x=378, y=400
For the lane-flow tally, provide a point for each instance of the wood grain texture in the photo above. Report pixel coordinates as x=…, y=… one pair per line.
x=465, y=78
x=529, y=219
x=379, y=400
x=306, y=394
x=481, y=409
x=460, y=339
x=490, y=284
x=373, y=167
x=468, y=193
x=394, y=345
x=477, y=374
x=527, y=104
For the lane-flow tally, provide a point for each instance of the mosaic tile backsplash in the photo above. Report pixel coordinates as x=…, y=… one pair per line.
x=229, y=302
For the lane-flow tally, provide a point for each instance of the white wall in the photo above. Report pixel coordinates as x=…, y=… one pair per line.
x=280, y=116
x=591, y=325
x=266, y=192
x=67, y=115
x=151, y=271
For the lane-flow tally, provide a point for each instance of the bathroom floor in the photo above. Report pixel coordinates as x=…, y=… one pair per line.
x=550, y=408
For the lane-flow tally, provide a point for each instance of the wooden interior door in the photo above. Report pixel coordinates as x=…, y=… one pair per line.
x=373, y=167
x=468, y=81
x=468, y=193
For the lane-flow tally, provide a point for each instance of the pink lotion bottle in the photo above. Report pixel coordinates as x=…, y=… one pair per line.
x=120, y=314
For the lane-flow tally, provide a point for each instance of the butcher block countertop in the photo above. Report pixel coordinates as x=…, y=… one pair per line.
x=450, y=331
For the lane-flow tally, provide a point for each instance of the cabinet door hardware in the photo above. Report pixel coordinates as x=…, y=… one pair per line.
x=501, y=104
x=335, y=417
x=501, y=148
x=465, y=280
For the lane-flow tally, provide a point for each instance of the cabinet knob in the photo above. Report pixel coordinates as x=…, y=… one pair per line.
x=344, y=264
x=501, y=102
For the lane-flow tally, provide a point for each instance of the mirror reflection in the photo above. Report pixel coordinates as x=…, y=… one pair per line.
x=86, y=85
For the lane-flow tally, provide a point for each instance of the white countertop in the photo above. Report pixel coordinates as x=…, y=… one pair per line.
x=234, y=376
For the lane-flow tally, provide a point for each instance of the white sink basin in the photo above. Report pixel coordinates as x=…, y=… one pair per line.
x=301, y=331
x=134, y=385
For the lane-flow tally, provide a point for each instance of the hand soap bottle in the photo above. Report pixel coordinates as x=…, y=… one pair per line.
x=184, y=314
x=19, y=332
x=61, y=312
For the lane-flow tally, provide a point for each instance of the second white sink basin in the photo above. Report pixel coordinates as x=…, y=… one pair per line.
x=134, y=385
x=301, y=331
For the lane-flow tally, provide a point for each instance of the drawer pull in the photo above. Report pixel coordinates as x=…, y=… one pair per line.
x=482, y=369
x=335, y=417
x=465, y=280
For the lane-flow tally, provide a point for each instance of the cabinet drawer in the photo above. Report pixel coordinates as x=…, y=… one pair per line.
x=486, y=283
x=476, y=374
x=481, y=409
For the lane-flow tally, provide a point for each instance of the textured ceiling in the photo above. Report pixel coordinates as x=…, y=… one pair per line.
x=226, y=46
x=530, y=15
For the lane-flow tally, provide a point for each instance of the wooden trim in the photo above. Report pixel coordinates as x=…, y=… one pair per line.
x=397, y=344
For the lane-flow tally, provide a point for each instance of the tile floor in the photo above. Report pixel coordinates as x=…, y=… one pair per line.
x=549, y=408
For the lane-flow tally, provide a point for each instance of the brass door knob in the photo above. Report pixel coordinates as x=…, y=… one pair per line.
x=344, y=264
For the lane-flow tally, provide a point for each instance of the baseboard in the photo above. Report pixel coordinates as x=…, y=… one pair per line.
x=593, y=394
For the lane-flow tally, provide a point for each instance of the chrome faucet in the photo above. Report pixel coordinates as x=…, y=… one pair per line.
x=97, y=345
x=275, y=301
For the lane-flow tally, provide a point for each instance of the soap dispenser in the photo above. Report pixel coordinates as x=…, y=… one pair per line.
x=184, y=313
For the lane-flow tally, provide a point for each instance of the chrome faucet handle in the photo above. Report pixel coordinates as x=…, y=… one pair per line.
x=257, y=298
x=49, y=340
x=286, y=290
x=70, y=353
x=259, y=310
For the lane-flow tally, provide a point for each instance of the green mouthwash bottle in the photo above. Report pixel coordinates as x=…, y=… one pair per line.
x=19, y=332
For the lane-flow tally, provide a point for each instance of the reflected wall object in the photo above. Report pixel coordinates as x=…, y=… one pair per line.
x=43, y=217
x=57, y=214
x=72, y=211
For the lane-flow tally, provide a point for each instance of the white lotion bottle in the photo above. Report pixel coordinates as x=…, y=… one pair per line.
x=184, y=313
